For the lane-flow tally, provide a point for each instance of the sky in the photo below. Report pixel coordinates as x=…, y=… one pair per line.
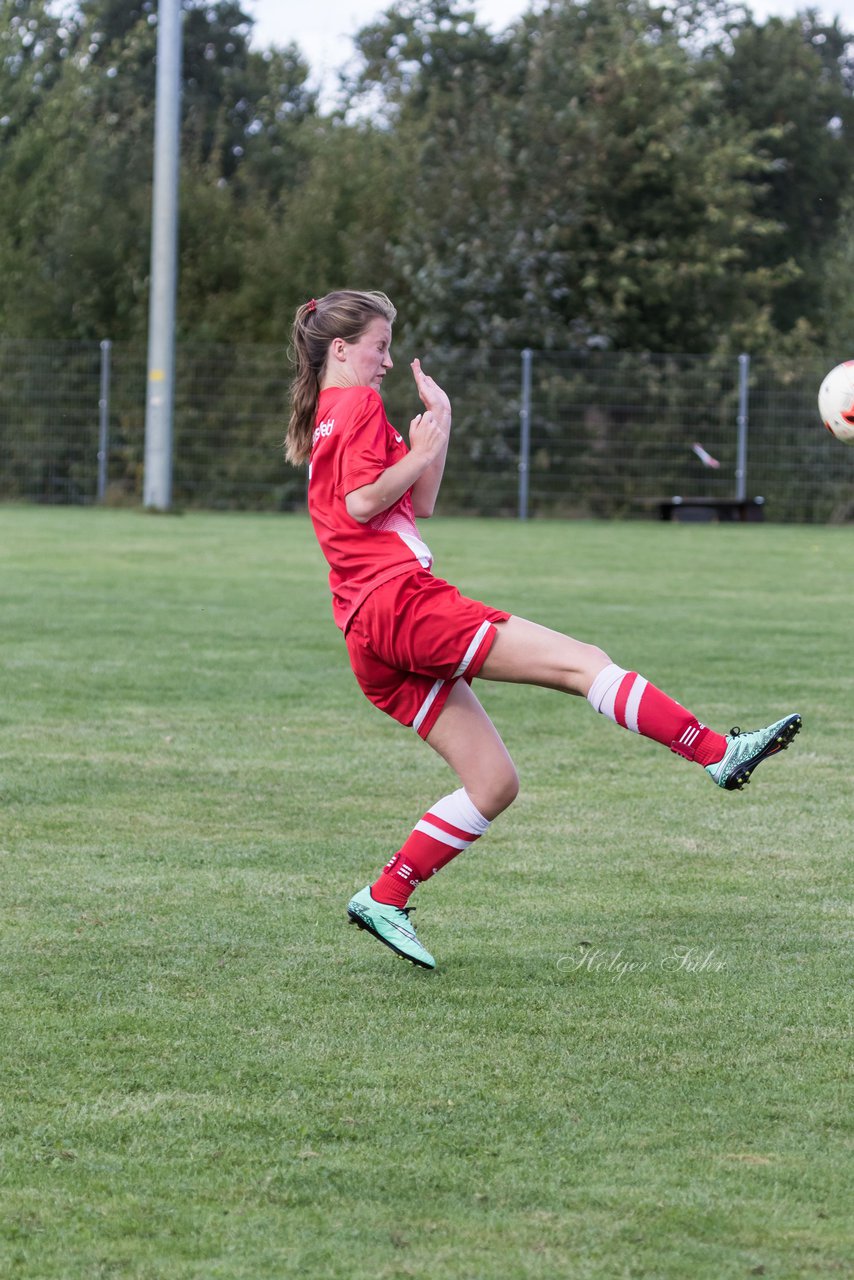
x=322, y=28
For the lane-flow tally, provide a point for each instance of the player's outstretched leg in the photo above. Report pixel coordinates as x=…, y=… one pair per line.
x=525, y=652
x=729, y=759
x=744, y=751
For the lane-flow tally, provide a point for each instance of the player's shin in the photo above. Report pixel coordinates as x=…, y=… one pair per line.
x=446, y=830
x=631, y=701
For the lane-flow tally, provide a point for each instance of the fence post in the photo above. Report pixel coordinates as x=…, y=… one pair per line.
x=525, y=433
x=741, y=421
x=104, y=419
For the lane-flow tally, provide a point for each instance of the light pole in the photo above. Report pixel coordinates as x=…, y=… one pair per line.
x=160, y=386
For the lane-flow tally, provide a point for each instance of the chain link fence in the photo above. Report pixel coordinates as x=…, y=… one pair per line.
x=595, y=434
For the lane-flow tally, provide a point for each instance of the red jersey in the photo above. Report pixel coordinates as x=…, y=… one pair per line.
x=353, y=443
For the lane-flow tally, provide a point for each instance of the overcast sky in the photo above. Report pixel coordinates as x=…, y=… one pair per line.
x=322, y=28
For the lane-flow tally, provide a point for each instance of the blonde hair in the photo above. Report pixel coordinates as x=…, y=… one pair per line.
x=345, y=313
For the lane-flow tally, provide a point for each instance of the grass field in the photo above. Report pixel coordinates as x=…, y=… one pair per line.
x=631, y=1061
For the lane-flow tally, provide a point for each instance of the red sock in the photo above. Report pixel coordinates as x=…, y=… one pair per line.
x=633, y=702
x=452, y=825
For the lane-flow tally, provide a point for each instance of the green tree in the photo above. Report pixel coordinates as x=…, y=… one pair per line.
x=34, y=44
x=835, y=295
x=75, y=173
x=437, y=81
x=789, y=83
x=572, y=181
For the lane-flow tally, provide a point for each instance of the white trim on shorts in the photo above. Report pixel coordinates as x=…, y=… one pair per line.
x=476, y=642
x=426, y=705
x=482, y=631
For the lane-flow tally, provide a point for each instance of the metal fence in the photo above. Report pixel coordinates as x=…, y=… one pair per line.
x=592, y=434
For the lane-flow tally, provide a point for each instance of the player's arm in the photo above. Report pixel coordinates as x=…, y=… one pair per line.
x=436, y=402
x=428, y=443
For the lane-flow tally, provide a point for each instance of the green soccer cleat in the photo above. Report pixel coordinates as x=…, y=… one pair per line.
x=391, y=925
x=744, y=751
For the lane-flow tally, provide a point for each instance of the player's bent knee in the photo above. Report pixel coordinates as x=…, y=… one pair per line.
x=596, y=657
x=594, y=660
x=509, y=788
x=496, y=795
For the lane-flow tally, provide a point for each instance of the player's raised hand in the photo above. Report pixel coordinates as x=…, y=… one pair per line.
x=426, y=436
x=432, y=396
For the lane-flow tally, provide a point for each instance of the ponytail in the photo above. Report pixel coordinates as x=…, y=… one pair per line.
x=346, y=314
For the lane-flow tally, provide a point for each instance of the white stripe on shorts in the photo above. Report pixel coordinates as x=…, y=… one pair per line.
x=477, y=641
x=472, y=649
x=426, y=705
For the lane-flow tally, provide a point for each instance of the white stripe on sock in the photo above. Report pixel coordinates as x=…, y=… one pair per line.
x=459, y=809
x=439, y=833
x=603, y=691
x=633, y=704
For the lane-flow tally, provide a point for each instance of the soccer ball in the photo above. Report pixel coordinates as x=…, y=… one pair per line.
x=836, y=402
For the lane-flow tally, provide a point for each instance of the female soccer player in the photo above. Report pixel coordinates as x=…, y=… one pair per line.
x=415, y=643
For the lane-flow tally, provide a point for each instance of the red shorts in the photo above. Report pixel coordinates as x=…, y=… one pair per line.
x=412, y=639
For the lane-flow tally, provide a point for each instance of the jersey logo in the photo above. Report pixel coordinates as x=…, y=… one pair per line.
x=324, y=429
x=398, y=438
